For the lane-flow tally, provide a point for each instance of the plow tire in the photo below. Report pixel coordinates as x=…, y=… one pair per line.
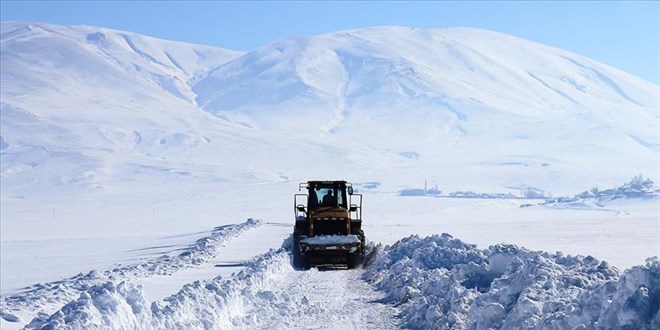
x=300, y=260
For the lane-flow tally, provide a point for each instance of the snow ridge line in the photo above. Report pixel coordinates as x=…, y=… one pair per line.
x=60, y=292
x=243, y=301
x=443, y=283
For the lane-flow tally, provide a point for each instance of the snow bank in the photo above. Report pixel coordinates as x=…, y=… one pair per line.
x=438, y=282
x=443, y=283
x=217, y=303
x=247, y=300
x=91, y=284
x=268, y=294
x=636, y=299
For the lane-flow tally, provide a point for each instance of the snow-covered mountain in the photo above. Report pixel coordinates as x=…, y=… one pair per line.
x=454, y=98
x=395, y=69
x=85, y=58
x=493, y=110
x=132, y=159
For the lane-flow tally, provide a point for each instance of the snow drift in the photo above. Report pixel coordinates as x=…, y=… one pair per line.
x=438, y=282
x=40, y=295
x=216, y=304
x=442, y=283
x=268, y=294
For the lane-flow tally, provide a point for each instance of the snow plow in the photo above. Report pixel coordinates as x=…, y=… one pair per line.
x=328, y=229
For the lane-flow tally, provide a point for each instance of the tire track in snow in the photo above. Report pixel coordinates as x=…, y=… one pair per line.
x=341, y=299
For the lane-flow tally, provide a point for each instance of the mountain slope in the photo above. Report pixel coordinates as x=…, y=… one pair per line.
x=84, y=58
x=76, y=101
x=466, y=107
x=463, y=94
x=394, y=68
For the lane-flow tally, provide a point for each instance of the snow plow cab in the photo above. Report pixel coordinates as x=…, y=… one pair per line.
x=328, y=229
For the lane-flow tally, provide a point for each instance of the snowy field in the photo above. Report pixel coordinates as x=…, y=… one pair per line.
x=149, y=184
x=623, y=234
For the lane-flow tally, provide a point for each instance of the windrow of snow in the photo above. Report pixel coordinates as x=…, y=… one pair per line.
x=438, y=282
x=217, y=303
x=36, y=297
x=442, y=283
x=268, y=294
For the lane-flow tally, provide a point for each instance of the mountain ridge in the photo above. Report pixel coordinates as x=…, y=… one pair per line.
x=465, y=101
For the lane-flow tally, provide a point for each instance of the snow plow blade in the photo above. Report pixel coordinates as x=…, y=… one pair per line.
x=350, y=243
x=332, y=250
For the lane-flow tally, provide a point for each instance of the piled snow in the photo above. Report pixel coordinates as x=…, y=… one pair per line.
x=634, y=304
x=443, y=283
x=39, y=296
x=438, y=282
x=218, y=303
x=268, y=294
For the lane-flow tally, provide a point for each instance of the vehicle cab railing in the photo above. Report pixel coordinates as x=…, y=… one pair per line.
x=301, y=207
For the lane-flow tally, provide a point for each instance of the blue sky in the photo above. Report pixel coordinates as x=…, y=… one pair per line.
x=625, y=35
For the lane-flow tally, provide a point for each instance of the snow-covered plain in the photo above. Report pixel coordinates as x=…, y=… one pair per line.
x=135, y=163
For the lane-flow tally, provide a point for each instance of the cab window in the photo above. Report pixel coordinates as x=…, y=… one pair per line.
x=329, y=196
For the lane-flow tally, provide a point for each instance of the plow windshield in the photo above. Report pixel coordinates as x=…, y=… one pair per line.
x=327, y=196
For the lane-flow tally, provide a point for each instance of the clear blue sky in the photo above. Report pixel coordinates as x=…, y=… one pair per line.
x=625, y=35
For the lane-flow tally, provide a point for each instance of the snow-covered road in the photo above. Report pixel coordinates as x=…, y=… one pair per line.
x=330, y=298
x=337, y=299
x=237, y=277
x=241, y=277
